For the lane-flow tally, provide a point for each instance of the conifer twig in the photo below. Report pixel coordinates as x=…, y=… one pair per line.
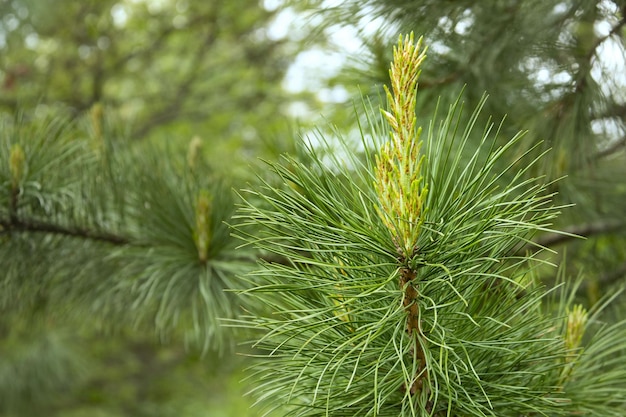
x=34, y=226
x=573, y=232
x=399, y=183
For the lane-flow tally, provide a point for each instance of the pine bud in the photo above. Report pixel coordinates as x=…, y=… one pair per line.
x=576, y=322
x=17, y=164
x=193, y=152
x=399, y=182
x=202, y=234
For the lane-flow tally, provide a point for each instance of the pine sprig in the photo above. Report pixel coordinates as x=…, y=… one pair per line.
x=90, y=206
x=419, y=306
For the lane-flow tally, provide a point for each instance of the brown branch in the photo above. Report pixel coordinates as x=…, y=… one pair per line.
x=573, y=232
x=594, y=48
x=616, y=147
x=435, y=82
x=174, y=107
x=615, y=110
x=409, y=301
x=586, y=65
x=35, y=226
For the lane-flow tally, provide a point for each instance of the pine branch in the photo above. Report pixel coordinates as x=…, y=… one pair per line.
x=400, y=188
x=399, y=274
x=615, y=147
x=175, y=103
x=573, y=232
x=594, y=49
x=15, y=224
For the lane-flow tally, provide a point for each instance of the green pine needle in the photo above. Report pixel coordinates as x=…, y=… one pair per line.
x=338, y=334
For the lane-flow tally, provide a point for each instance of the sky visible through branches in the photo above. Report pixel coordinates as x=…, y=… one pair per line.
x=312, y=67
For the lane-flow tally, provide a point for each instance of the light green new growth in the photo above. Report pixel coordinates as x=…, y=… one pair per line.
x=193, y=152
x=202, y=234
x=399, y=186
x=399, y=183
x=17, y=161
x=576, y=323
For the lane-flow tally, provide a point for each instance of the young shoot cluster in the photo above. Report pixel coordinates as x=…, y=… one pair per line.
x=399, y=182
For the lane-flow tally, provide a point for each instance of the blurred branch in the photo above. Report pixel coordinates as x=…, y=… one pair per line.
x=441, y=81
x=11, y=104
x=156, y=44
x=101, y=72
x=615, y=110
x=573, y=232
x=34, y=226
x=616, y=147
x=586, y=64
x=174, y=106
x=594, y=49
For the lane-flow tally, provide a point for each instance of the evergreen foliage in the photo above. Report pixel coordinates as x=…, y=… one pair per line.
x=397, y=301
x=112, y=230
x=100, y=236
x=552, y=68
x=410, y=273
x=158, y=248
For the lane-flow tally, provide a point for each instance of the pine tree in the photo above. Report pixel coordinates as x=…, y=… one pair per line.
x=405, y=293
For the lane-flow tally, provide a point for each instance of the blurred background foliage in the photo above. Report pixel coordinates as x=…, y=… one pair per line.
x=125, y=125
